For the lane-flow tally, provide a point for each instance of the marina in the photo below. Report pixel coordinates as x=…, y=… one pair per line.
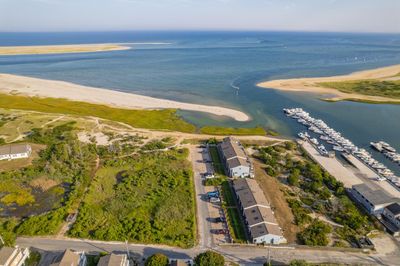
x=345, y=146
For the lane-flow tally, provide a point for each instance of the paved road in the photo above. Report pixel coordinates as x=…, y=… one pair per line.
x=197, y=157
x=242, y=255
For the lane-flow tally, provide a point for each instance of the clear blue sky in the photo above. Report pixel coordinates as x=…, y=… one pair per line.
x=105, y=15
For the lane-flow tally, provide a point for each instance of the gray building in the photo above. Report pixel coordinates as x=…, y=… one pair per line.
x=257, y=213
x=15, y=151
x=71, y=258
x=372, y=197
x=391, y=218
x=114, y=260
x=236, y=161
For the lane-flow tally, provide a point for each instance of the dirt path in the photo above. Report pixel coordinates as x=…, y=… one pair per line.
x=272, y=190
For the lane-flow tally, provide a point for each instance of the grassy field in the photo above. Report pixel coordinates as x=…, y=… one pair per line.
x=389, y=89
x=217, y=164
x=215, y=130
x=234, y=221
x=151, y=119
x=146, y=199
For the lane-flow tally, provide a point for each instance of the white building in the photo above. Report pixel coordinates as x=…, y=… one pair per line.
x=373, y=198
x=13, y=256
x=15, y=151
x=391, y=215
x=257, y=213
x=237, y=163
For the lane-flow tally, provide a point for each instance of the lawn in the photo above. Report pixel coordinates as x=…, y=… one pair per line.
x=145, y=199
x=388, y=89
x=152, y=119
x=215, y=130
x=217, y=164
x=231, y=208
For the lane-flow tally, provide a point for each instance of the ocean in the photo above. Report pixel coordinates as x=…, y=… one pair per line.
x=222, y=68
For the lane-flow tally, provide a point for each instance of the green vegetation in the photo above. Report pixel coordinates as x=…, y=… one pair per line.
x=147, y=198
x=33, y=259
x=215, y=130
x=216, y=181
x=315, y=234
x=230, y=206
x=151, y=119
x=157, y=259
x=388, y=89
x=313, y=190
x=217, y=163
x=209, y=258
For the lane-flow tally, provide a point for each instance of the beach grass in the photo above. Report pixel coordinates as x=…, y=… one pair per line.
x=381, y=88
x=216, y=130
x=165, y=119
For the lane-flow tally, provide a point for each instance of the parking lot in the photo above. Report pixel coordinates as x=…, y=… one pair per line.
x=210, y=228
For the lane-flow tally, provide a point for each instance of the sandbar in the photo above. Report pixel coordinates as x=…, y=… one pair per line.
x=311, y=84
x=28, y=86
x=60, y=49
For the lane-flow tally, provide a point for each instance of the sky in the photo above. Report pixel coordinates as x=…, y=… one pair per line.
x=259, y=15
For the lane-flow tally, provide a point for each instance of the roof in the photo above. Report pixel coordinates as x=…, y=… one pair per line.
x=231, y=148
x=5, y=254
x=394, y=208
x=265, y=229
x=112, y=260
x=249, y=193
x=14, y=149
x=257, y=211
x=178, y=263
x=258, y=215
x=375, y=195
x=237, y=161
x=69, y=258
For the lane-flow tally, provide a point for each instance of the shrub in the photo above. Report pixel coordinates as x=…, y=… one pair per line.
x=315, y=234
x=157, y=259
x=209, y=258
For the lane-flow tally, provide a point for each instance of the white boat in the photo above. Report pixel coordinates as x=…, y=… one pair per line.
x=338, y=148
x=314, y=141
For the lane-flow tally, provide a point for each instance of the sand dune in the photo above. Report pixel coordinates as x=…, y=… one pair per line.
x=310, y=84
x=60, y=49
x=60, y=89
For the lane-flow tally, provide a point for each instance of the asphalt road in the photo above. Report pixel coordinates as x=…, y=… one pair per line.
x=241, y=255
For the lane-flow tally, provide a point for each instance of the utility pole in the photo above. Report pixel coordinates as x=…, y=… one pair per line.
x=2, y=241
x=269, y=255
x=127, y=250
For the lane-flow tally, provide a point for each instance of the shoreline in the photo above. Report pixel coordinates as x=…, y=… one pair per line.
x=312, y=85
x=35, y=87
x=60, y=49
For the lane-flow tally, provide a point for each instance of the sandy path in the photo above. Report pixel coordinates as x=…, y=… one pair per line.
x=310, y=84
x=60, y=49
x=60, y=89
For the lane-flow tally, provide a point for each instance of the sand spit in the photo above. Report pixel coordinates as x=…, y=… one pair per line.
x=60, y=49
x=311, y=84
x=59, y=89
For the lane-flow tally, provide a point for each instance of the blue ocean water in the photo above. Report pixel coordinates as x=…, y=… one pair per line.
x=222, y=68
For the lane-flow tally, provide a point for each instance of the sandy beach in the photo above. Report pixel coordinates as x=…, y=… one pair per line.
x=13, y=84
x=311, y=84
x=60, y=49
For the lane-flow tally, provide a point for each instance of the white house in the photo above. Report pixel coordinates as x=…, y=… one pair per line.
x=15, y=151
x=237, y=163
x=372, y=197
x=114, y=260
x=257, y=213
x=13, y=256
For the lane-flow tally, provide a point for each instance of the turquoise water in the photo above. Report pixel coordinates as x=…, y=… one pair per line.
x=208, y=67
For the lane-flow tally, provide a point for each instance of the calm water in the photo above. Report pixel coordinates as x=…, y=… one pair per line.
x=207, y=68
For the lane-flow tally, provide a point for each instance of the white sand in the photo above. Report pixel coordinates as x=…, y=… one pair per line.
x=60, y=49
x=311, y=84
x=60, y=89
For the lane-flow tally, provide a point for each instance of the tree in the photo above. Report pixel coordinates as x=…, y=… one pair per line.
x=209, y=258
x=293, y=178
x=157, y=259
x=315, y=234
x=299, y=263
